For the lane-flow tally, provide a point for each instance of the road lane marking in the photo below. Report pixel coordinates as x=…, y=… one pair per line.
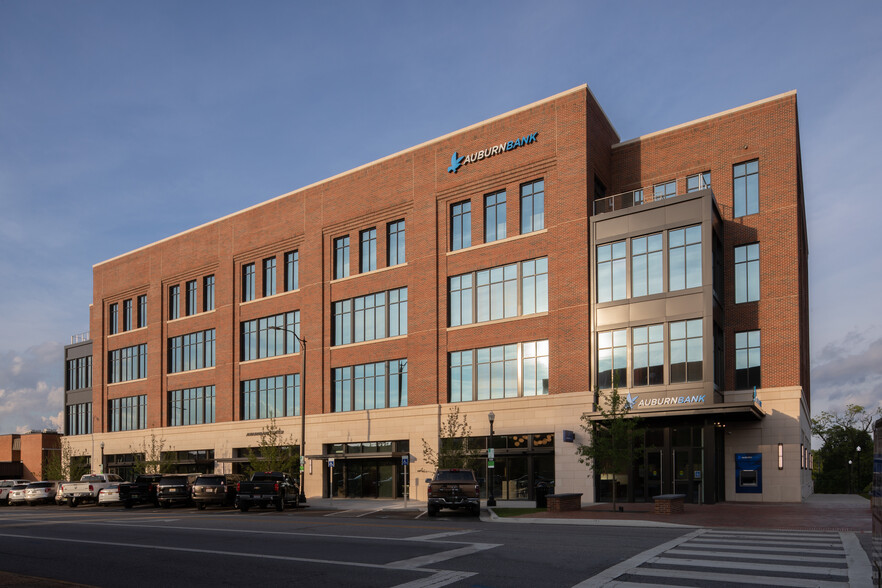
x=439, y=579
x=437, y=536
x=734, y=578
x=733, y=555
x=759, y=567
x=433, y=558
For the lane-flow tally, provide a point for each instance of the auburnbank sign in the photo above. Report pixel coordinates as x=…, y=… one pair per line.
x=635, y=402
x=457, y=160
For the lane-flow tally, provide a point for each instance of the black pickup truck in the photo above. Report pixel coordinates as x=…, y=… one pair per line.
x=267, y=488
x=141, y=491
x=454, y=489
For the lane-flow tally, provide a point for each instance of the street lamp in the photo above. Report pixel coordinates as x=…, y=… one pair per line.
x=859, y=487
x=101, y=471
x=491, y=501
x=849, y=476
x=302, y=497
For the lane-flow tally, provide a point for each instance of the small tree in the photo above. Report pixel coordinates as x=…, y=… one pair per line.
x=456, y=448
x=151, y=457
x=65, y=464
x=275, y=452
x=612, y=441
x=841, y=435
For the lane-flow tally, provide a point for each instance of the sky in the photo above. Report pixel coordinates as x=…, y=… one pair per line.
x=122, y=123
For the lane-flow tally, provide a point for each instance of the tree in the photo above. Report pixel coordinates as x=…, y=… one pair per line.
x=65, y=464
x=456, y=448
x=841, y=435
x=613, y=441
x=152, y=457
x=274, y=452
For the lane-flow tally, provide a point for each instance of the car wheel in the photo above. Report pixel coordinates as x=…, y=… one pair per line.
x=280, y=504
x=262, y=505
x=201, y=506
x=72, y=502
x=243, y=508
x=129, y=505
x=432, y=511
x=165, y=504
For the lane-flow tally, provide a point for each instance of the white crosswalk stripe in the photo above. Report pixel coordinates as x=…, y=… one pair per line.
x=727, y=558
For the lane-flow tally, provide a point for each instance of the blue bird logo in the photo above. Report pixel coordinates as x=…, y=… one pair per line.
x=631, y=400
x=455, y=162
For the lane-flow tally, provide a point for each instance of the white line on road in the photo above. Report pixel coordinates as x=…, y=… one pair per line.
x=439, y=579
x=702, y=543
x=437, y=536
x=433, y=558
x=860, y=571
x=759, y=567
x=755, y=556
x=736, y=579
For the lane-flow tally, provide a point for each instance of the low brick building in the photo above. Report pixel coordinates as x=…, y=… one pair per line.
x=23, y=455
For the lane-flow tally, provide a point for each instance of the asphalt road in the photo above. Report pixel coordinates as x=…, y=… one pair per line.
x=100, y=546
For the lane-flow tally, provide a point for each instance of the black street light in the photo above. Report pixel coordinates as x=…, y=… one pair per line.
x=859, y=487
x=491, y=501
x=302, y=497
x=849, y=476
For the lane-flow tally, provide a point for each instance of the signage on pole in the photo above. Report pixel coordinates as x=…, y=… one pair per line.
x=404, y=460
x=331, y=463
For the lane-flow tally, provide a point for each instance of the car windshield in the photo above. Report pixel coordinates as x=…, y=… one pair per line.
x=91, y=479
x=19, y=486
x=173, y=481
x=41, y=485
x=266, y=478
x=454, y=476
x=209, y=480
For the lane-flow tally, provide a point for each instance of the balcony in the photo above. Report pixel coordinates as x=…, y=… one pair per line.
x=637, y=198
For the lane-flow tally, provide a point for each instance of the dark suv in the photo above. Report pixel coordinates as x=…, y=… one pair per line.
x=175, y=489
x=141, y=491
x=219, y=489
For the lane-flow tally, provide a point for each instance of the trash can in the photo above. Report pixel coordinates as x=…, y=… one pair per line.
x=542, y=491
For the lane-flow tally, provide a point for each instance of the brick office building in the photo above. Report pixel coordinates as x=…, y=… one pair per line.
x=511, y=267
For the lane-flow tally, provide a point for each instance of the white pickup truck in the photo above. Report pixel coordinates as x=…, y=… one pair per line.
x=87, y=489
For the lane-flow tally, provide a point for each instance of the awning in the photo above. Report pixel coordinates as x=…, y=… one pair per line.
x=729, y=411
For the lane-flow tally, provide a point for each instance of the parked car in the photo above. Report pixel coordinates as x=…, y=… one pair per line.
x=454, y=489
x=266, y=488
x=17, y=494
x=60, y=496
x=6, y=486
x=141, y=491
x=109, y=495
x=175, y=489
x=87, y=489
x=38, y=492
x=219, y=489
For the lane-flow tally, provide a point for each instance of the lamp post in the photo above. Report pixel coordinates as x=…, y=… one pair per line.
x=101, y=465
x=302, y=497
x=858, y=469
x=491, y=501
x=849, y=476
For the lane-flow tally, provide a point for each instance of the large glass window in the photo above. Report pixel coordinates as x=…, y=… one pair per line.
x=494, y=216
x=502, y=371
x=370, y=386
x=127, y=315
x=612, y=359
x=648, y=347
x=128, y=363
x=499, y=292
x=292, y=270
x=370, y=317
x=79, y=419
x=191, y=406
x=533, y=206
x=190, y=307
x=686, y=351
x=395, y=246
x=208, y=293
x=113, y=319
x=193, y=351
x=269, y=276
x=248, y=282
x=368, y=251
x=665, y=190
x=142, y=311
x=271, y=336
x=747, y=273
x=128, y=414
x=612, y=275
x=341, y=257
x=461, y=225
x=79, y=373
x=174, y=302
x=266, y=398
x=535, y=368
x=747, y=360
x=647, y=265
x=745, y=179
x=684, y=258
x=698, y=182
x=534, y=286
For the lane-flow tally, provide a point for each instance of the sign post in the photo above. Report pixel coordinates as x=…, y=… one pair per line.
x=405, y=463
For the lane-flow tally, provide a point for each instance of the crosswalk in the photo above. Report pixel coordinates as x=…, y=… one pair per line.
x=719, y=557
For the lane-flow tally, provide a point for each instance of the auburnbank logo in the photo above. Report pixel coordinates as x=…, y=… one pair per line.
x=457, y=160
x=670, y=400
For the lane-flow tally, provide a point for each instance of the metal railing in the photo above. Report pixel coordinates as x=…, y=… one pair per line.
x=79, y=338
x=629, y=200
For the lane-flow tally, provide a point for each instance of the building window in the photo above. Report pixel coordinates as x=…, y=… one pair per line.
x=190, y=306
x=207, y=293
x=128, y=363
x=271, y=336
x=370, y=386
x=127, y=315
x=503, y=371
x=79, y=373
x=266, y=398
x=648, y=355
x=502, y=292
x=292, y=271
x=686, y=351
x=248, y=283
x=370, y=317
x=494, y=217
x=269, y=276
x=665, y=190
x=745, y=188
x=611, y=272
x=193, y=351
x=461, y=225
x=684, y=258
x=747, y=360
x=174, y=302
x=612, y=359
x=79, y=419
x=533, y=206
x=142, y=311
x=128, y=414
x=698, y=182
x=341, y=257
x=113, y=319
x=395, y=247
x=647, y=265
x=747, y=273
x=191, y=406
x=368, y=251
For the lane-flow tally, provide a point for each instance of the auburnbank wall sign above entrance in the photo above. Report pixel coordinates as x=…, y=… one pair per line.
x=634, y=401
x=457, y=161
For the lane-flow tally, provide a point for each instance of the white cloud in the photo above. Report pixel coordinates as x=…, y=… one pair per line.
x=31, y=388
x=848, y=371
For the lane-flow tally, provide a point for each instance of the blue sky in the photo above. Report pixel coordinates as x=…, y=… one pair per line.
x=122, y=123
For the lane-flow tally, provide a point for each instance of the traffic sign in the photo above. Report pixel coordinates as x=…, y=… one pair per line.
x=404, y=460
x=330, y=463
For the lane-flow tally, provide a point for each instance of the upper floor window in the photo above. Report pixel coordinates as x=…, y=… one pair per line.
x=461, y=225
x=747, y=360
x=193, y=351
x=647, y=265
x=612, y=359
x=370, y=386
x=113, y=319
x=533, y=206
x=665, y=190
x=341, y=257
x=129, y=363
x=494, y=217
x=174, y=302
x=191, y=406
x=79, y=373
x=493, y=372
x=687, y=353
x=271, y=336
x=698, y=182
x=276, y=396
x=128, y=414
x=192, y=292
x=612, y=274
x=127, y=315
x=142, y=311
x=370, y=317
x=79, y=419
x=684, y=254
x=208, y=293
x=395, y=247
x=745, y=188
x=648, y=349
x=368, y=251
x=269, y=276
x=248, y=282
x=292, y=270
x=747, y=273
x=499, y=292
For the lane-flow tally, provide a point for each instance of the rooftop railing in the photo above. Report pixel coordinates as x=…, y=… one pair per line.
x=630, y=199
x=79, y=338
